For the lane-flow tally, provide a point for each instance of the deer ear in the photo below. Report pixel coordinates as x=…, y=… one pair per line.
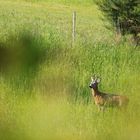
x=98, y=80
x=92, y=79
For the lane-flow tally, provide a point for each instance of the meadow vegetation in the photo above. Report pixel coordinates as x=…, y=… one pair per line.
x=44, y=81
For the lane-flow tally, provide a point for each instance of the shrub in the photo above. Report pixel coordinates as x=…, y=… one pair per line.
x=124, y=14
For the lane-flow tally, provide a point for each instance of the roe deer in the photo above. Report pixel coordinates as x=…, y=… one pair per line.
x=103, y=99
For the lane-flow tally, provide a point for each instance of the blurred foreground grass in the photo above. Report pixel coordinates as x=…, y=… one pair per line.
x=57, y=118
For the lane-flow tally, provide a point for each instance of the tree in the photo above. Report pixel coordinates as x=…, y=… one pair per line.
x=124, y=14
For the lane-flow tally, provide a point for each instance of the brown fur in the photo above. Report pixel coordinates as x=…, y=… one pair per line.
x=103, y=99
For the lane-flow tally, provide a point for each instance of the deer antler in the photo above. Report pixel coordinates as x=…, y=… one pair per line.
x=94, y=77
x=98, y=79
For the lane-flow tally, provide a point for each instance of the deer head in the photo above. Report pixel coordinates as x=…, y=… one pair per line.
x=94, y=82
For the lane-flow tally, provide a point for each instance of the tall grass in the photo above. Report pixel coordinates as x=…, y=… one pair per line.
x=61, y=106
x=55, y=102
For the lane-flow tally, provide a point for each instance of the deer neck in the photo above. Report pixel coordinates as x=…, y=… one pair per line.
x=95, y=92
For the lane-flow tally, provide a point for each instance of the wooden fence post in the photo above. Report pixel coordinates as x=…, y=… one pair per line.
x=118, y=27
x=118, y=31
x=73, y=27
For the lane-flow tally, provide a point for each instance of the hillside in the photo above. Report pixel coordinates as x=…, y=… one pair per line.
x=44, y=80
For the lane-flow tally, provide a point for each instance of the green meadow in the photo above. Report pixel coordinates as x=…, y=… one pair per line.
x=44, y=78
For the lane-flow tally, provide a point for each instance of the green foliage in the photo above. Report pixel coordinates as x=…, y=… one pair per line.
x=124, y=14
